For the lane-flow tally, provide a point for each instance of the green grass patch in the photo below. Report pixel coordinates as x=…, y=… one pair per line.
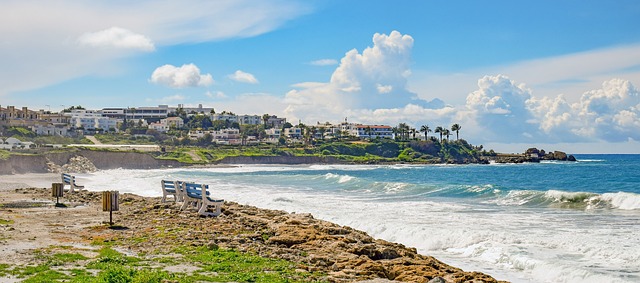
x=6, y=222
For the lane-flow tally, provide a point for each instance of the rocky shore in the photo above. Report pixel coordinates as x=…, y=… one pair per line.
x=341, y=253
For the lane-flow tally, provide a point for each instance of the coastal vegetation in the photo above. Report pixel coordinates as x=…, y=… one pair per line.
x=406, y=146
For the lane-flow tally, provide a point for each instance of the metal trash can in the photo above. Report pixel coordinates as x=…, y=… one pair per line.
x=110, y=203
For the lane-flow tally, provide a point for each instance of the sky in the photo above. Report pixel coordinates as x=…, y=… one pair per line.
x=562, y=75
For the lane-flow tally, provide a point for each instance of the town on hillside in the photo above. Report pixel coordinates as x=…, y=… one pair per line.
x=194, y=123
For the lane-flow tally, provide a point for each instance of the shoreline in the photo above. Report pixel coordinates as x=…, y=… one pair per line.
x=288, y=234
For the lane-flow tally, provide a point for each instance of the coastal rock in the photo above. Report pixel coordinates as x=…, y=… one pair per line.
x=343, y=253
x=79, y=164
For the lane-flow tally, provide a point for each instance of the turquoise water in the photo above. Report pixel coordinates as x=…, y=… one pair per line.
x=543, y=222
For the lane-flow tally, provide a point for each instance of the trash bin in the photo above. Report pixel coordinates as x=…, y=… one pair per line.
x=57, y=191
x=110, y=203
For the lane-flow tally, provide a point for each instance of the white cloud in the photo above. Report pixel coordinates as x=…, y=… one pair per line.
x=187, y=75
x=118, y=38
x=374, y=80
x=37, y=34
x=243, y=77
x=324, y=62
x=503, y=110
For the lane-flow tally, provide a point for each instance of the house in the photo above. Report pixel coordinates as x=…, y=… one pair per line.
x=166, y=124
x=227, y=136
x=196, y=134
x=250, y=120
x=13, y=143
x=224, y=117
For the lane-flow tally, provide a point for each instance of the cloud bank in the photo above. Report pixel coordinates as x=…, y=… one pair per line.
x=187, y=75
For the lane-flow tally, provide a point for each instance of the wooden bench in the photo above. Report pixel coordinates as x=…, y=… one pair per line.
x=68, y=179
x=198, y=195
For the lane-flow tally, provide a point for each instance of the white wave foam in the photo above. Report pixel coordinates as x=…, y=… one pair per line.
x=341, y=178
x=622, y=200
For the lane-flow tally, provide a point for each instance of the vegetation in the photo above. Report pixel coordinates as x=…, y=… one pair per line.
x=210, y=264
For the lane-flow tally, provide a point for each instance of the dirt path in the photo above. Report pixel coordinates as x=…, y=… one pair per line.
x=93, y=139
x=194, y=156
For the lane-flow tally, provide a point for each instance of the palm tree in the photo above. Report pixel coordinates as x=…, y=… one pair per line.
x=447, y=133
x=413, y=133
x=404, y=130
x=439, y=130
x=265, y=118
x=425, y=129
x=456, y=128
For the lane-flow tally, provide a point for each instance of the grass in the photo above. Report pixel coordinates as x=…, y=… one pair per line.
x=109, y=265
x=6, y=222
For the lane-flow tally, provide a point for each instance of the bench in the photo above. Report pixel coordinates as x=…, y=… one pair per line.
x=198, y=195
x=68, y=179
x=171, y=188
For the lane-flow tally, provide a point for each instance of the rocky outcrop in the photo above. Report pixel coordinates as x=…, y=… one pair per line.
x=533, y=155
x=342, y=253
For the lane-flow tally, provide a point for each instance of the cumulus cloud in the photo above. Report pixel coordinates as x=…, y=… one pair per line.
x=117, y=37
x=187, y=75
x=610, y=113
x=498, y=109
x=375, y=79
x=240, y=76
x=502, y=109
x=324, y=62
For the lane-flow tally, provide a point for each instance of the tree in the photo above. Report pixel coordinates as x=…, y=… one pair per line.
x=456, y=128
x=439, y=130
x=447, y=133
x=425, y=129
x=413, y=133
x=265, y=119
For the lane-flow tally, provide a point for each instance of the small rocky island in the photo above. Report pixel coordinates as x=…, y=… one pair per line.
x=533, y=155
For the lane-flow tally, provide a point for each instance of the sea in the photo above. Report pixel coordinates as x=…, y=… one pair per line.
x=551, y=221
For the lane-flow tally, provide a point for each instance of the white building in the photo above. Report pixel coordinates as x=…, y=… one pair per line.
x=50, y=130
x=91, y=120
x=166, y=124
x=224, y=117
x=227, y=136
x=293, y=133
x=368, y=131
x=196, y=134
x=250, y=120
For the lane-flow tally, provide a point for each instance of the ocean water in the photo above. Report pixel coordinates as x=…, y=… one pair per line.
x=546, y=222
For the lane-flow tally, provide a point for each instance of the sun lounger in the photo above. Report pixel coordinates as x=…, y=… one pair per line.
x=68, y=179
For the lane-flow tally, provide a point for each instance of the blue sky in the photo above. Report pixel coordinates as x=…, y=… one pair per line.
x=512, y=73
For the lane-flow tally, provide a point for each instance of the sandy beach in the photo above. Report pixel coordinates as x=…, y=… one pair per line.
x=33, y=226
